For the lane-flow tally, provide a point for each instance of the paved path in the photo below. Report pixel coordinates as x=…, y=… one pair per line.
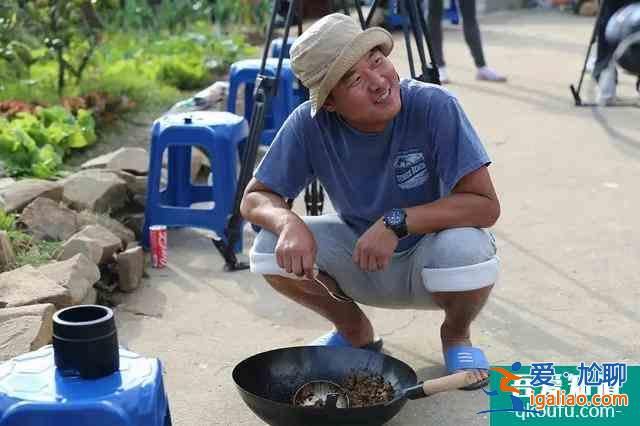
x=568, y=238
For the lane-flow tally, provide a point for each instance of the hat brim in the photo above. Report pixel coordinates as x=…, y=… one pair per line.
x=348, y=57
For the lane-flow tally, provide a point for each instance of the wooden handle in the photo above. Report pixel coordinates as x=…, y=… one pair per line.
x=447, y=383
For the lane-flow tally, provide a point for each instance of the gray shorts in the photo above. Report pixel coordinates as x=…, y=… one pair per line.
x=458, y=259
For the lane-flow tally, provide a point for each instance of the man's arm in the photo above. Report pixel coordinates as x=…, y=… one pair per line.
x=473, y=202
x=296, y=248
x=263, y=207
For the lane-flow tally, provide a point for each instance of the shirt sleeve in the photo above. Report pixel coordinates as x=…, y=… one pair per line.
x=286, y=168
x=457, y=147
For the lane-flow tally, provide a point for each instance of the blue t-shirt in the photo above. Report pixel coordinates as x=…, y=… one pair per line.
x=421, y=155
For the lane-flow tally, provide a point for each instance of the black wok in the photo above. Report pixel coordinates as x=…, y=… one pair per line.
x=267, y=382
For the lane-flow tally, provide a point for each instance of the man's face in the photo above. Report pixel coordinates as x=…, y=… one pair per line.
x=368, y=96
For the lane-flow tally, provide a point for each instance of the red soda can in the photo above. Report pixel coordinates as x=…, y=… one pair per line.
x=158, y=244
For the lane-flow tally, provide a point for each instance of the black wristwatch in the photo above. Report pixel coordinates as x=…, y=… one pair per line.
x=396, y=220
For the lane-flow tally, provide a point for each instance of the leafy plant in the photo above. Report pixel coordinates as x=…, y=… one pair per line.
x=35, y=145
x=7, y=221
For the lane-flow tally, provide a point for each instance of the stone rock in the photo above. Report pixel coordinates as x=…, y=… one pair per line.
x=24, y=329
x=86, y=246
x=87, y=240
x=91, y=298
x=130, y=268
x=87, y=217
x=137, y=185
x=15, y=197
x=28, y=286
x=97, y=190
x=198, y=160
x=134, y=222
x=140, y=201
x=7, y=256
x=131, y=159
x=78, y=275
x=6, y=182
x=48, y=220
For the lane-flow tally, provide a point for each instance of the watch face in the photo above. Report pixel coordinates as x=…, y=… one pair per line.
x=395, y=218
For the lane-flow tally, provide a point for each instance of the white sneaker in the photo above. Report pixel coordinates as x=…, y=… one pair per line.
x=489, y=74
x=444, y=76
x=607, y=86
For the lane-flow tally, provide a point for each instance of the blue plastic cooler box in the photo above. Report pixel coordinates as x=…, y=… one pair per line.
x=34, y=393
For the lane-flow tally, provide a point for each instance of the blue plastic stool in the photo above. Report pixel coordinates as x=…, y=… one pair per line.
x=276, y=47
x=452, y=13
x=217, y=134
x=290, y=93
x=394, y=20
x=33, y=393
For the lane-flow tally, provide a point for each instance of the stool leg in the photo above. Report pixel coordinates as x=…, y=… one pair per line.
x=153, y=190
x=179, y=179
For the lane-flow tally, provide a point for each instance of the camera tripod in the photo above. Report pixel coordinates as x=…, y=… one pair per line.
x=266, y=88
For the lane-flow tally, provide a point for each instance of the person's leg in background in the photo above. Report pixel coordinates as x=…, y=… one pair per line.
x=435, y=33
x=604, y=71
x=474, y=41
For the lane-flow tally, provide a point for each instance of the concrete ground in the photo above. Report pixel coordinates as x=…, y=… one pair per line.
x=568, y=238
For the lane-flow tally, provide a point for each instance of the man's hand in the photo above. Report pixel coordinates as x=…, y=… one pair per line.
x=296, y=249
x=375, y=248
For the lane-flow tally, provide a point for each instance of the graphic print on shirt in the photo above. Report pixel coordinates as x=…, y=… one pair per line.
x=410, y=169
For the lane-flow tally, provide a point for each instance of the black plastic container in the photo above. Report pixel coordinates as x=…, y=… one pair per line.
x=85, y=341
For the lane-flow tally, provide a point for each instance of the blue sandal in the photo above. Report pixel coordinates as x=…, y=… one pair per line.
x=334, y=338
x=466, y=358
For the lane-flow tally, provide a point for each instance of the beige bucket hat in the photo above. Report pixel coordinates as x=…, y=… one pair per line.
x=328, y=49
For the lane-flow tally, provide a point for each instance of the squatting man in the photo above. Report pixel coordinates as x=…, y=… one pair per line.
x=408, y=178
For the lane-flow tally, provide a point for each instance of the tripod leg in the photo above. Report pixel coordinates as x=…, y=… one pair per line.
x=576, y=92
x=418, y=35
x=374, y=6
x=265, y=90
x=435, y=77
x=407, y=39
x=360, y=15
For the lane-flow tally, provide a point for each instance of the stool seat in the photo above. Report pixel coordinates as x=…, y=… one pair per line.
x=217, y=134
x=290, y=93
x=33, y=393
x=276, y=47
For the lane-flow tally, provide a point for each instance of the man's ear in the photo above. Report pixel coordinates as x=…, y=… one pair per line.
x=329, y=103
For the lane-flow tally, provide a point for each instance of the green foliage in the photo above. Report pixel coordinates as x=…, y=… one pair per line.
x=7, y=221
x=69, y=29
x=28, y=251
x=185, y=61
x=182, y=75
x=35, y=145
x=159, y=15
x=231, y=13
x=15, y=45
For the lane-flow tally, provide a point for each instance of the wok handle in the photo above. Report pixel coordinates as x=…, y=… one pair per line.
x=441, y=384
